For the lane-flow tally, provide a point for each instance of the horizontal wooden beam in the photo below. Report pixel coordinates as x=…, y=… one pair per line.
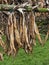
x=42, y=10
x=6, y=7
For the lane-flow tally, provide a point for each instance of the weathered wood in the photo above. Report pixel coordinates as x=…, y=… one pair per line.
x=32, y=17
x=25, y=36
x=26, y=6
x=38, y=34
x=11, y=34
x=42, y=10
x=8, y=7
x=16, y=32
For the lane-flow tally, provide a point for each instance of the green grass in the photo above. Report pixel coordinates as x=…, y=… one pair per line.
x=39, y=56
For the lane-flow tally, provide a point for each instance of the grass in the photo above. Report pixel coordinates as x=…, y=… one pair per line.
x=39, y=56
